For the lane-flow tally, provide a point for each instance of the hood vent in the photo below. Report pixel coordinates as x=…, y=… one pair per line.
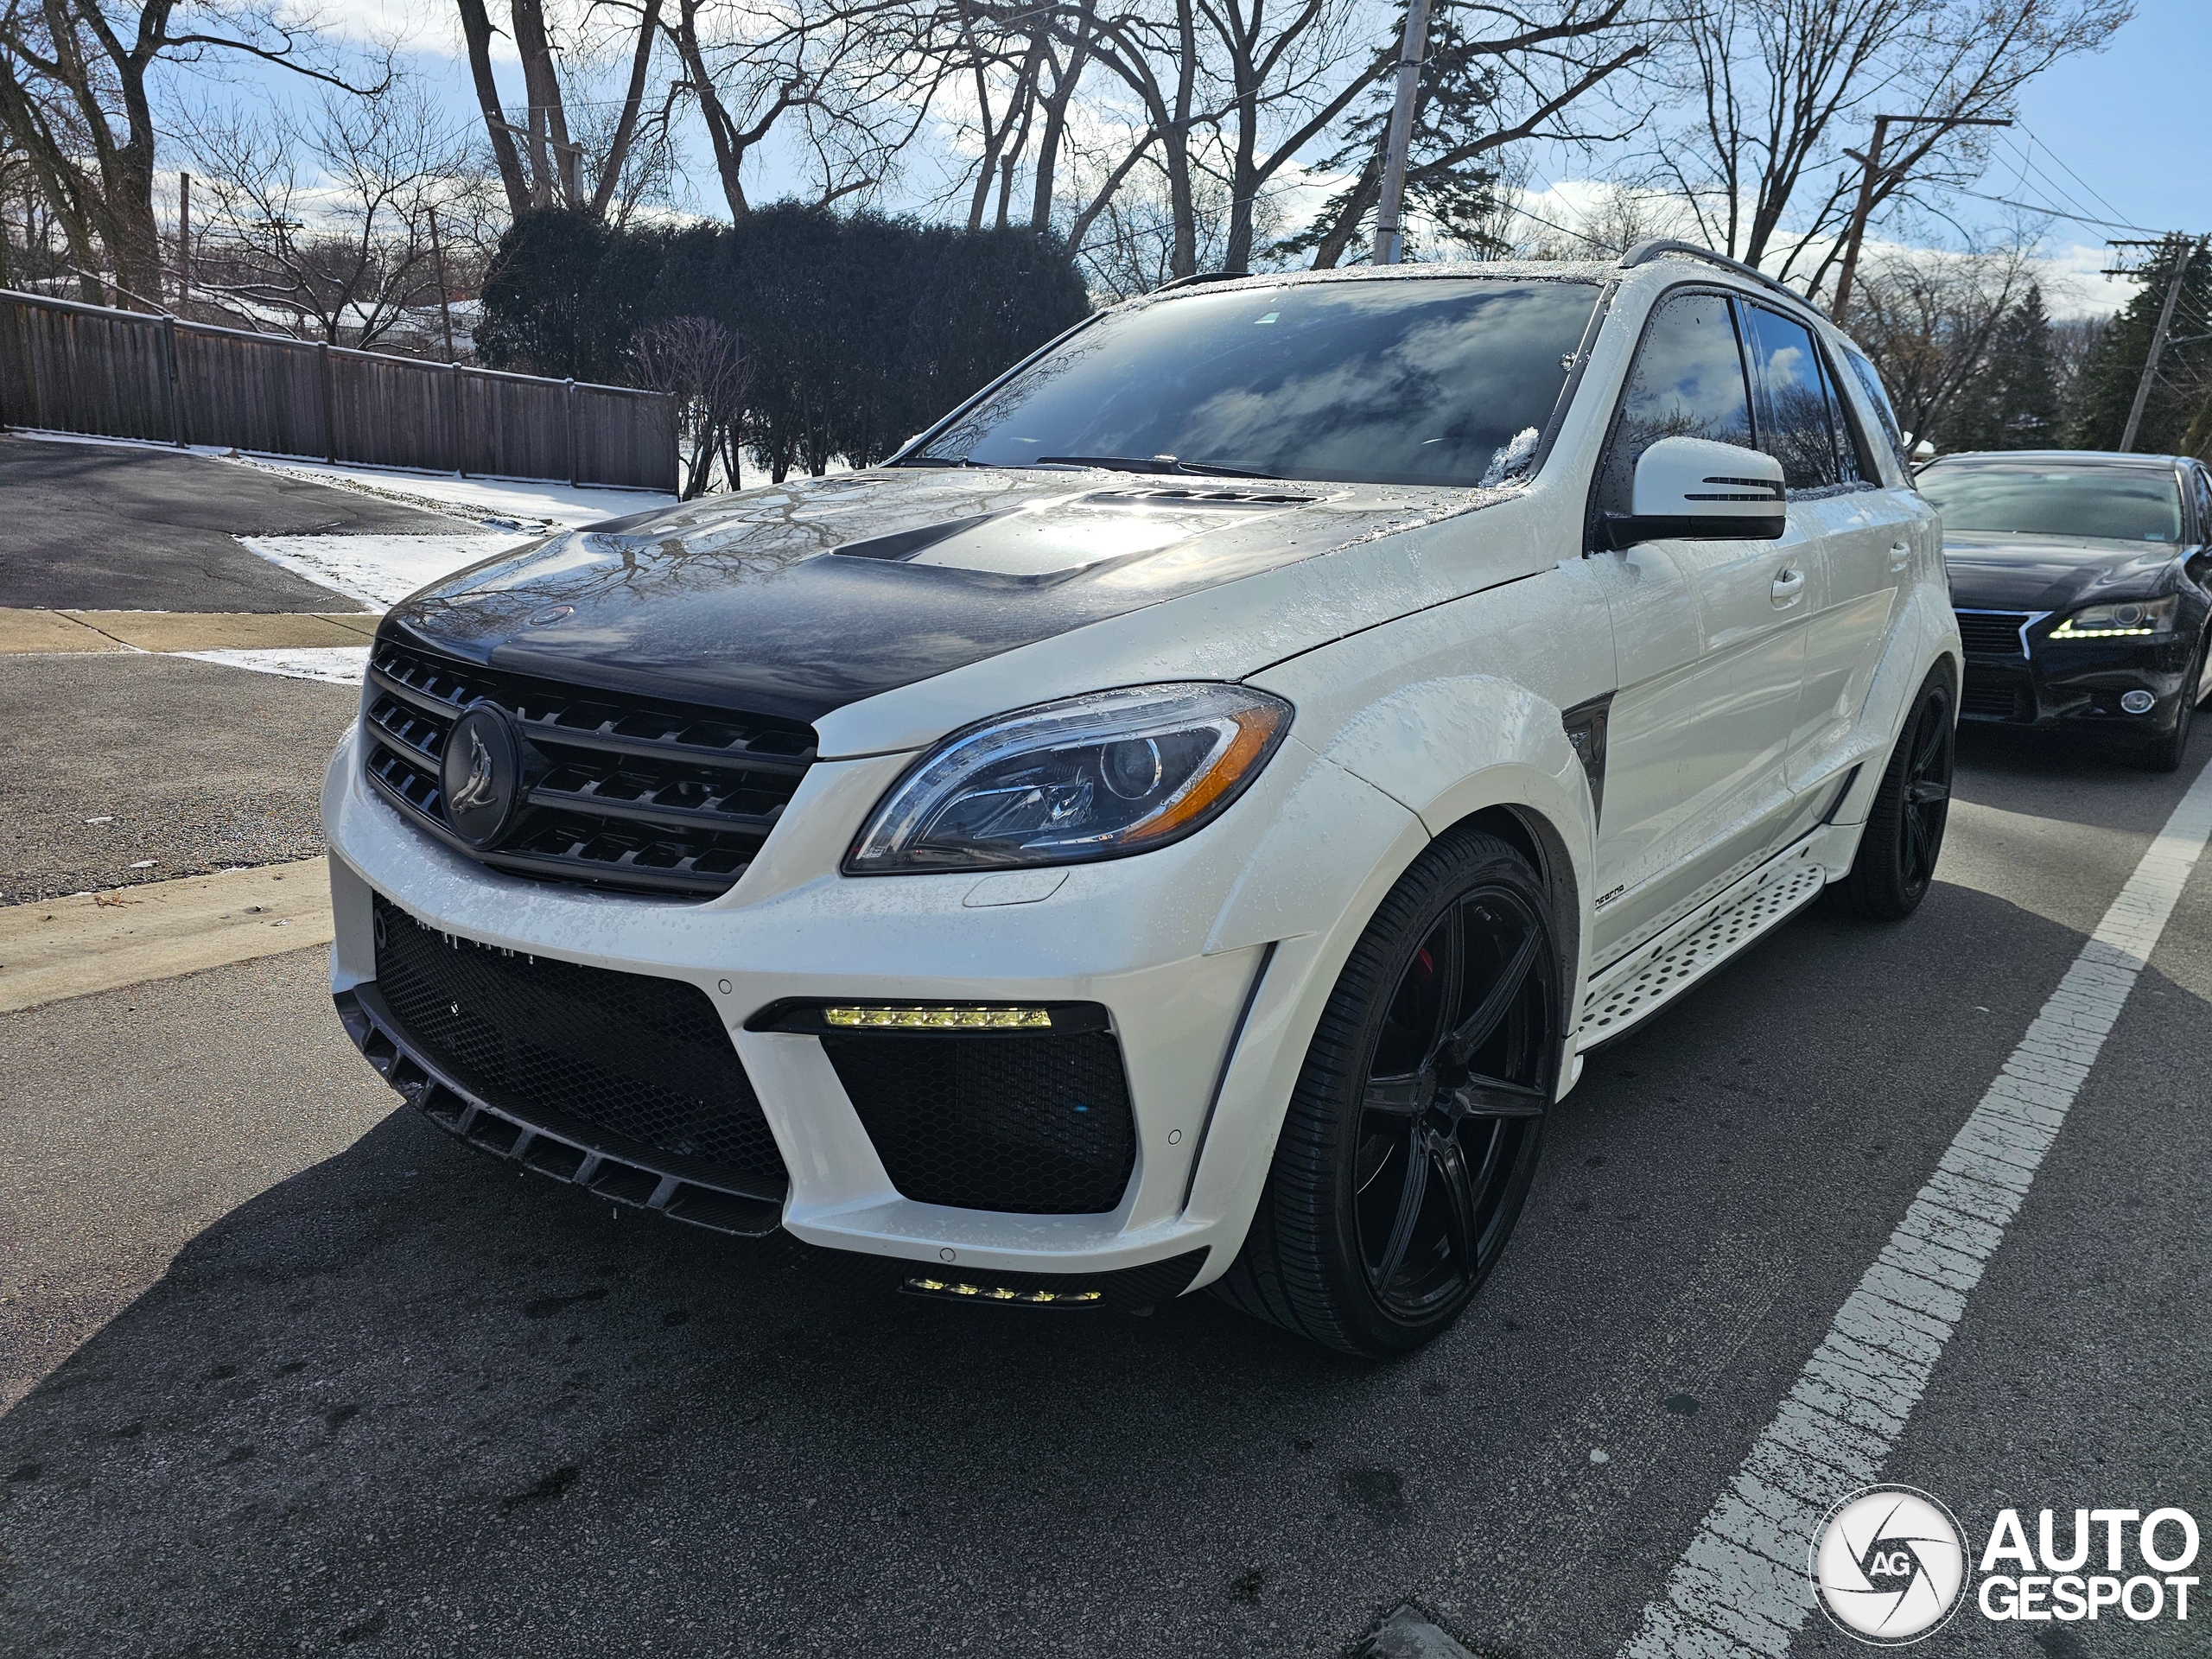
x=1197, y=498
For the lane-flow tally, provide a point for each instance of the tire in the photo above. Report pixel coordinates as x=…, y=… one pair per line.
x=2164, y=752
x=1905, y=830
x=1414, y=1130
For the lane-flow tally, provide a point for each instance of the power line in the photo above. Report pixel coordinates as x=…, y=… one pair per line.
x=2054, y=212
x=2070, y=172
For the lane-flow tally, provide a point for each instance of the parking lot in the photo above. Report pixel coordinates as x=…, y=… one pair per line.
x=284, y=1370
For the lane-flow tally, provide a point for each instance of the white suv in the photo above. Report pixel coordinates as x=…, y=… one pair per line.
x=1182, y=821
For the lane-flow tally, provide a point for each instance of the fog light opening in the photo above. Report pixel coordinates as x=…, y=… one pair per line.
x=2138, y=703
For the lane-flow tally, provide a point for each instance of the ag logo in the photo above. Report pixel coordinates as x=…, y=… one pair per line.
x=1888, y=1565
x=481, y=774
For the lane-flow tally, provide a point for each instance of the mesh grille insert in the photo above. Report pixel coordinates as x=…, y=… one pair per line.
x=652, y=795
x=1992, y=695
x=640, y=1060
x=1034, y=1124
x=1992, y=633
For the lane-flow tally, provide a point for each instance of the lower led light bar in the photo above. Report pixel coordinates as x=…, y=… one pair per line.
x=952, y=1019
x=1001, y=1294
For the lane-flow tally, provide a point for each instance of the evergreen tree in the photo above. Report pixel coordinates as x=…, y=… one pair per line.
x=565, y=293
x=1453, y=108
x=2113, y=367
x=2013, y=403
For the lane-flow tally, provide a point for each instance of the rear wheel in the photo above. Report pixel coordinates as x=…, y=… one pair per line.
x=1904, y=829
x=1413, y=1133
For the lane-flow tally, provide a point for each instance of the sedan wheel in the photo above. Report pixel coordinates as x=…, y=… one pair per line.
x=1413, y=1135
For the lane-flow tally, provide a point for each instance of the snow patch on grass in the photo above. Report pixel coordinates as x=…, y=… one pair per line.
x=378, y=570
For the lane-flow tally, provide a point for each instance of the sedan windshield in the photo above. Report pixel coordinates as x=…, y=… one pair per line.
x=1442, y=381
x=2112, y=503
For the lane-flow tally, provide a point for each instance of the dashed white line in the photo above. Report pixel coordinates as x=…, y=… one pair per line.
x=1740, y=1589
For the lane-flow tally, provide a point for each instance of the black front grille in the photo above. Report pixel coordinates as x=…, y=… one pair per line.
x=1032, y=1123
x=1992, y=633
x=1990, y=695
x=649, y=796
x=630, y=1060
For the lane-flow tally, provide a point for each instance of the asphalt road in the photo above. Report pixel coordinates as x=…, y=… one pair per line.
x=124, y=768
x=96, y=526
x=284, y=1370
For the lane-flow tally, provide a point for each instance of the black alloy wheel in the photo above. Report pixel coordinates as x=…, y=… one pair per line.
x=1413, y=1135
x=1903, y=838
x=2164, y=752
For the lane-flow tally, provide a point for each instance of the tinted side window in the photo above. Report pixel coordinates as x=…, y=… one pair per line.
x=1848, y=450
x=2202, y=491
x=1871, y=384
x=1794, y=425
x=1687, y=382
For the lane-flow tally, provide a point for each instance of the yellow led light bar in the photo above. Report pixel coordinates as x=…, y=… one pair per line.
x=940, y=1019
x=2068, y=630
x=1001, y=1294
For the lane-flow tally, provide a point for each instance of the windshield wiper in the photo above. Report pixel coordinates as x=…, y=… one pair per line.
x=1150, y=464
x=941, y=460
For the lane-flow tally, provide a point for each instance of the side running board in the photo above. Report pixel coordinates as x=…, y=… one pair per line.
x=1647, y=979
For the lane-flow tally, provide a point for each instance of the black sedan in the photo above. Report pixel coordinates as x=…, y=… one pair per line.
x=2084, y=586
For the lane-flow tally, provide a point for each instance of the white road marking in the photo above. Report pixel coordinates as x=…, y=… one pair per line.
x=1740, y=1589
x=333, y=665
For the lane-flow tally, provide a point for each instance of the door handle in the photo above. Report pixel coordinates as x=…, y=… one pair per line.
x=1900, y=556
x=1789, y=582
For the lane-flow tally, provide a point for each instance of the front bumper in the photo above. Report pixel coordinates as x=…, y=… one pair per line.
x=1131, y=936
x=2076, y=686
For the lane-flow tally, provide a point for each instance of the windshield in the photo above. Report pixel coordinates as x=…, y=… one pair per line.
x=2120, y=504
x=1441, y=381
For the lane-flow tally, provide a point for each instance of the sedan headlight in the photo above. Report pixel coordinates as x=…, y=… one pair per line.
x=2121, y=621
x=1095, y=777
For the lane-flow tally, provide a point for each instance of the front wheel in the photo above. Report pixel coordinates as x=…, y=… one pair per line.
x=2164, y=752
x=1413, y=1133
x=1904, y=829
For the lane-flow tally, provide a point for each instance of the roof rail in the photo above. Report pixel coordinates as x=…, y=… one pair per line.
x=1202, y=277
x=1644, y=253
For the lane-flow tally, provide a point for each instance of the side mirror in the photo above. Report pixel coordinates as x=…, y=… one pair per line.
x=1698, y=490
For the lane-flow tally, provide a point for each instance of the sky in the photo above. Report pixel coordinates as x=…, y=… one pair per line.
x=2113, y=136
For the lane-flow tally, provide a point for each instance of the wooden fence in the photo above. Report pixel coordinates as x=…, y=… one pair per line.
x=67, y=367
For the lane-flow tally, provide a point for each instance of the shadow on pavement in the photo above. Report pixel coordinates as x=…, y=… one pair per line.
x=407, y=1402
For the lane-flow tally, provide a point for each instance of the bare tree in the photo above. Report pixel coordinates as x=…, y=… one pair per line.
x=319, y=227
x=557, y=163
x=75, y=96
x=705, y=367
x=1778, y=90
x=1928, y=318
x=853, y=82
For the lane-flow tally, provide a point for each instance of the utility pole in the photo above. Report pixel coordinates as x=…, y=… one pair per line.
x=2158, y=340
x=183, y=238
x=1413, y=46
x=445, y=305
x=1869, y=177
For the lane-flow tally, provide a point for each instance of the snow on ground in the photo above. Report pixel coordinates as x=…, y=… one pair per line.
x=378, y=570
x=333, y=665
x=525, y=504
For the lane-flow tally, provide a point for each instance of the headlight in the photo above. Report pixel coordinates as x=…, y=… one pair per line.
x=2121, y=621
x=1094, y=777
